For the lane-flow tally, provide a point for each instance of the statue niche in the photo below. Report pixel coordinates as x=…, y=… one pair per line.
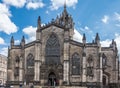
x=52, y=50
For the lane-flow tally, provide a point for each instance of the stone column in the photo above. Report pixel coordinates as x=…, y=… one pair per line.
x=66, y=64
x=66, y=72
x=37, y=61
x=84, y=68
x=101, y=70
x=20, y=70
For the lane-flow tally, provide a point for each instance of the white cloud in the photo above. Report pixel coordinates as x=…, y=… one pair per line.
x=105, y=43
x=34, y=4
x=77, y=36
x=6, y=25
x=16, y=3
x=17, y=41
x=87, y=30
x=2, y=41
x=4, y=51
x=31, y=32
x=117, y=16
x=55, y=4
x=117, y=39
x=105, y=19
x=47, y=12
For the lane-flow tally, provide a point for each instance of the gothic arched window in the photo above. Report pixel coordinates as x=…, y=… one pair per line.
x=30, y=64
x=16, y=69
x=104, y=60
x=17, y=59
x=75, y=64
x=30, y=68
x=52, y=50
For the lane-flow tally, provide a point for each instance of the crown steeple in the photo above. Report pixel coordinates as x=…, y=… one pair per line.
x=65, y=5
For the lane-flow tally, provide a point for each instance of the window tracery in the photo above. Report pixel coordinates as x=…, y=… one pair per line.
x=17, y=59
x=104, y=60
x=90, y=66
x=16, y=71
x=52, y=50
x=75, y=64
x=30, y=64
x=16, y=68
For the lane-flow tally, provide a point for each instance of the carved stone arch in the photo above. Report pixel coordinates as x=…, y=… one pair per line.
x=52, y=50
x=51, y=75
x=75, y=63
x=106, y=79
x=54, y=71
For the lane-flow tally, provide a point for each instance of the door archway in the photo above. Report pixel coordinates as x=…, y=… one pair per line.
x=104, y=81
x=52, y=79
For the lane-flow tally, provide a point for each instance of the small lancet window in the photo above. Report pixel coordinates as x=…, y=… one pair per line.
x=17, y=59
x=90, y=59
x=90, y=71
x=90, y=66
x=104, y=60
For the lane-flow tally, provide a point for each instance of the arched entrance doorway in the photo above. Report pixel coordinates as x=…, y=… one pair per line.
x=105, y=81
x=52, y=79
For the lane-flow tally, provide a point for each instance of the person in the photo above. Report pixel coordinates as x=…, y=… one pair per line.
x=54, y=83
x=32, y=86
x=20, y=85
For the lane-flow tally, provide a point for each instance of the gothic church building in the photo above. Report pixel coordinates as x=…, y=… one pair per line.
x=55, y=59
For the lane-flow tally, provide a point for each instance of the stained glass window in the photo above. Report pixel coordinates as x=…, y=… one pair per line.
x=52, y=50
x=75, y=64
x=30, y=64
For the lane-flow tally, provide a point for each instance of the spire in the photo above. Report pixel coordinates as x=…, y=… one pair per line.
x=84, y=38
x=113, y=43
x=23, y=39
x=12, y=39
x=23, y=42
x=65, y=5
x=97, y=37
x=65, y=10
x=39, y=22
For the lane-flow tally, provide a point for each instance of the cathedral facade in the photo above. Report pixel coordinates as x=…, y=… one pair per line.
x=55, y=59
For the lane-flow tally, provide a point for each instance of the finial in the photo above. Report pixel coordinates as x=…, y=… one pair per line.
x=12, y=39
x=23, y=39
x=65, y=4
x=97, y=37
x=39, y=22
x=84, y=38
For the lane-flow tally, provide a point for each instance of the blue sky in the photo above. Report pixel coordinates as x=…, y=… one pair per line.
x=19, y=17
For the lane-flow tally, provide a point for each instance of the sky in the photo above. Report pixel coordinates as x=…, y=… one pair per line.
x=19, y=17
